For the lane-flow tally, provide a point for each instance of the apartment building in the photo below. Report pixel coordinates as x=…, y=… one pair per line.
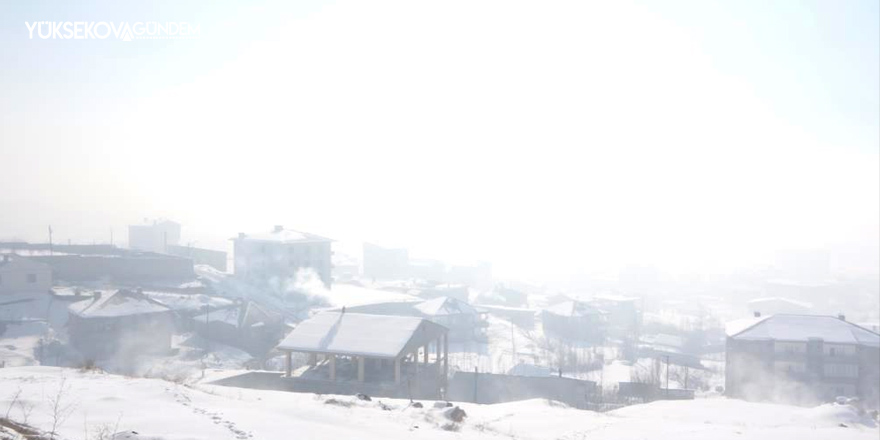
x=803, y=359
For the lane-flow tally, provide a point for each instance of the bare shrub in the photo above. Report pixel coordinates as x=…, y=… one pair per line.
x=59, y=406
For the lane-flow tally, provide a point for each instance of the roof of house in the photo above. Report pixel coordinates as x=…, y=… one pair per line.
x=13, y=262
x=573, y=309
x=281, y=235
x=737, y=325
x=445, y=305
x=779, y=299
x=109, y=304
x=356, y=334
x=806, y=327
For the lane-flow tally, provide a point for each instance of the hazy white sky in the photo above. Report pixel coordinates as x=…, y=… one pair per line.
x=546, y=137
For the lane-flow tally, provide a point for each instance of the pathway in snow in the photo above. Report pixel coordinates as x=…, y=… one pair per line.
x=184, y=399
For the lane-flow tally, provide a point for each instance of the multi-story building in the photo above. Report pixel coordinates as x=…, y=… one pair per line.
x=154, y=236
x=803, y=359
x=281, y=254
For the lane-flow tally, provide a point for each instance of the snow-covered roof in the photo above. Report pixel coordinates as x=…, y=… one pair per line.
x=116, y=304
x=664, y=340
x=573, y=309
x=229, y=315
x=779, y=299
x=445, y=306
x=184, y=302
x=282, y=235
x=737, y=325
x=356, y=334
x=13, y=262
x=615, y=298
x=806, y=327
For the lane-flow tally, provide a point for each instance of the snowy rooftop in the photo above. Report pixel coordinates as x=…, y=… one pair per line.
x=615, y=298
x=445, y=306
x=282, y=235
x=16, y=262
x=805, y=327
x=737, y=325
x=573, y=309
x=116, y=304
x=779, y=299
x=358, y=334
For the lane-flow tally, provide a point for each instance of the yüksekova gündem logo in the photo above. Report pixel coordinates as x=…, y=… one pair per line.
x=102, y=30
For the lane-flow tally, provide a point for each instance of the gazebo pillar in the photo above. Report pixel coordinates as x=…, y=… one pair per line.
x=360, y=368
x=397, y=370
x=287, y=363
x=313, y=359
x=427, y=347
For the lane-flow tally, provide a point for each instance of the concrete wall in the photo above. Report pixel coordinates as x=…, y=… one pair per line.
x=498, y=388
x=263, y=380
x=141, y=268
x=215, y=259
x=26, y=280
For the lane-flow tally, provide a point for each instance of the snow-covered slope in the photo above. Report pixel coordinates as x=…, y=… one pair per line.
x=169, y=411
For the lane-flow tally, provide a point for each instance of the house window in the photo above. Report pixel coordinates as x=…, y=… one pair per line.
x=31, y=278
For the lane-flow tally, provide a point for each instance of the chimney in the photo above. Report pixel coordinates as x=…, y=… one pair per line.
x=757, y=314
x=278, y=228
x=841, y=317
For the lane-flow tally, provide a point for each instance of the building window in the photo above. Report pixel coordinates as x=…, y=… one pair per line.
x=32, y=278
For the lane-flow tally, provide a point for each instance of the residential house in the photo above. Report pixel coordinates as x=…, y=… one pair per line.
x=575, y=320
x=120, y=323
x=247, y=326
x=775, y=305
x=85, y=263
x=803, y=359
x=208, y=257
x=23, y=275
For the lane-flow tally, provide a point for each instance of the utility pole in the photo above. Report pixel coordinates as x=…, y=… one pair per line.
x=50, y=239
x=667, y=376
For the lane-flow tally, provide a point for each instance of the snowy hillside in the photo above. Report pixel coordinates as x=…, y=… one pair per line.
x=162, y=410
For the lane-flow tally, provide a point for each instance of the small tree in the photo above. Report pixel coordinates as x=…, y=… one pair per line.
x=59, y=408
x=13, y=401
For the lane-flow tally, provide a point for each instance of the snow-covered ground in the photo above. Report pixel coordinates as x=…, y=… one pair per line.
x=162, y=410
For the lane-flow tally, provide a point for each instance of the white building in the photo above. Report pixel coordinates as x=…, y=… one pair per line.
x=282, y=253
x=23, y=275
x=154, y=236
